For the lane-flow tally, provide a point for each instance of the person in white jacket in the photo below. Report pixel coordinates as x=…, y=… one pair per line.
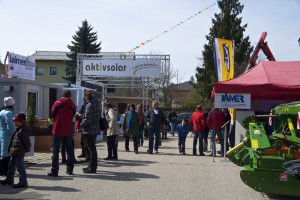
x=112, y=133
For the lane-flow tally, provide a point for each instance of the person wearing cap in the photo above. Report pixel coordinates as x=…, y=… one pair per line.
x=19, y=145
x=63, y=112
x=7, y=130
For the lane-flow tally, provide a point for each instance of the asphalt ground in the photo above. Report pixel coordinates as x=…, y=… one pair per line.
x=165, y=175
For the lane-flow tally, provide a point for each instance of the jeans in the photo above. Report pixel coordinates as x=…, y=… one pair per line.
x=55, y=153
x=18, y=162
x=213, y=134
x=112, y=147
x=90, y=141
x=63, y=149
x=196, y=135
x=152, y=132
x=181, y=143
x=135, y=142
x=172, y=126
x=205, y=138
x=141, y=137
x=127, y=142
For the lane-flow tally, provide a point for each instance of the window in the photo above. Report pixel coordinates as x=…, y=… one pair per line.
x=53, y=70
x=40, y=71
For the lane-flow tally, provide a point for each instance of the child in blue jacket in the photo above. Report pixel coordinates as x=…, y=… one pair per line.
x=182, y=130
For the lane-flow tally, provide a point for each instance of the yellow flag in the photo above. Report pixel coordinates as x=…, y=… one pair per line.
x=224, y=55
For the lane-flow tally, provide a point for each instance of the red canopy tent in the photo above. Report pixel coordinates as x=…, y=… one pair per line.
x=267, y=80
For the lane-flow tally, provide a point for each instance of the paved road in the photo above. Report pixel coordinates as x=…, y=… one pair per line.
x=166, y=175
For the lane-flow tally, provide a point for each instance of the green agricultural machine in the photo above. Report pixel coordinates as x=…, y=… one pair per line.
x=271, y=161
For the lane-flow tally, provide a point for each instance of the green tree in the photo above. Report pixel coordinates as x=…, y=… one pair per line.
x=30, y=119
x=84, y=41
x=227, y=25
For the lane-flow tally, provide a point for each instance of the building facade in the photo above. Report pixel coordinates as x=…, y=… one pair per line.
x=50, y=66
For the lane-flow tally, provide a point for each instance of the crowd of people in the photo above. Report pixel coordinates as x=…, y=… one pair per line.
x=14, y=133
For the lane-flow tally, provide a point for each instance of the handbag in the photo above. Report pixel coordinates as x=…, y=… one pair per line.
x=103, y=124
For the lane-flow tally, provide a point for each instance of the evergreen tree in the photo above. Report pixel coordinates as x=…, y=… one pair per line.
x=84, y=41
x=227, y=25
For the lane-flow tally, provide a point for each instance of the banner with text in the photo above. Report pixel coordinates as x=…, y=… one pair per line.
x=21, y=66
x=111, y=67
x=227, y=100
x=224, y=56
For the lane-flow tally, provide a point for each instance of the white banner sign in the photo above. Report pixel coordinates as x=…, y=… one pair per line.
x=238, y=101
x=21, y=66
x=110, y=67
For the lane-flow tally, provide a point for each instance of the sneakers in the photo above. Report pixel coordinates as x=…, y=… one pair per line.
x=69, y=172
x=5, y=182
x=108, y=158
x=53, y=174
x=149, y=151
x=20, y=185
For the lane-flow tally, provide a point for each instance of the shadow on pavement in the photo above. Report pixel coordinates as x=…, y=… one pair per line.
x=14, y=194
x=61, y=177
x=121, y=162
x=55, y=188
x=118, y=176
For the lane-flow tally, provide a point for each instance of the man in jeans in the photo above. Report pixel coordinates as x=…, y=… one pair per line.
x=155, y=118
x=198, y=121
x=215, y=122
x=63, y=111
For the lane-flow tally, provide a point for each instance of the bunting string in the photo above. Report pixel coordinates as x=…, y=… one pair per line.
x=172, y=28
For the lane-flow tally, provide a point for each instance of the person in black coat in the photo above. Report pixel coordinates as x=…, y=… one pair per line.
x=155, y=118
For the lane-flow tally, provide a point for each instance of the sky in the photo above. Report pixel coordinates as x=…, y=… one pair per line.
x=48, y=25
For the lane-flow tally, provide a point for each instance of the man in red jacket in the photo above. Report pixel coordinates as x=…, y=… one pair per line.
x=199, y=123
x=215, y=122
x=63, y=111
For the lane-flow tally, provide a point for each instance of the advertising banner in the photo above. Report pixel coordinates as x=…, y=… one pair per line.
x=21, y=66
x=227, y=100
x=224, y=56
x=113, y=67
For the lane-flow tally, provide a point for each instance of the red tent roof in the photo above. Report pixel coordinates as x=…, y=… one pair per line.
x=267, y=80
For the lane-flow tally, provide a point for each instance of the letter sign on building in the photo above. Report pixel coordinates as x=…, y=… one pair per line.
x=228, y=100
